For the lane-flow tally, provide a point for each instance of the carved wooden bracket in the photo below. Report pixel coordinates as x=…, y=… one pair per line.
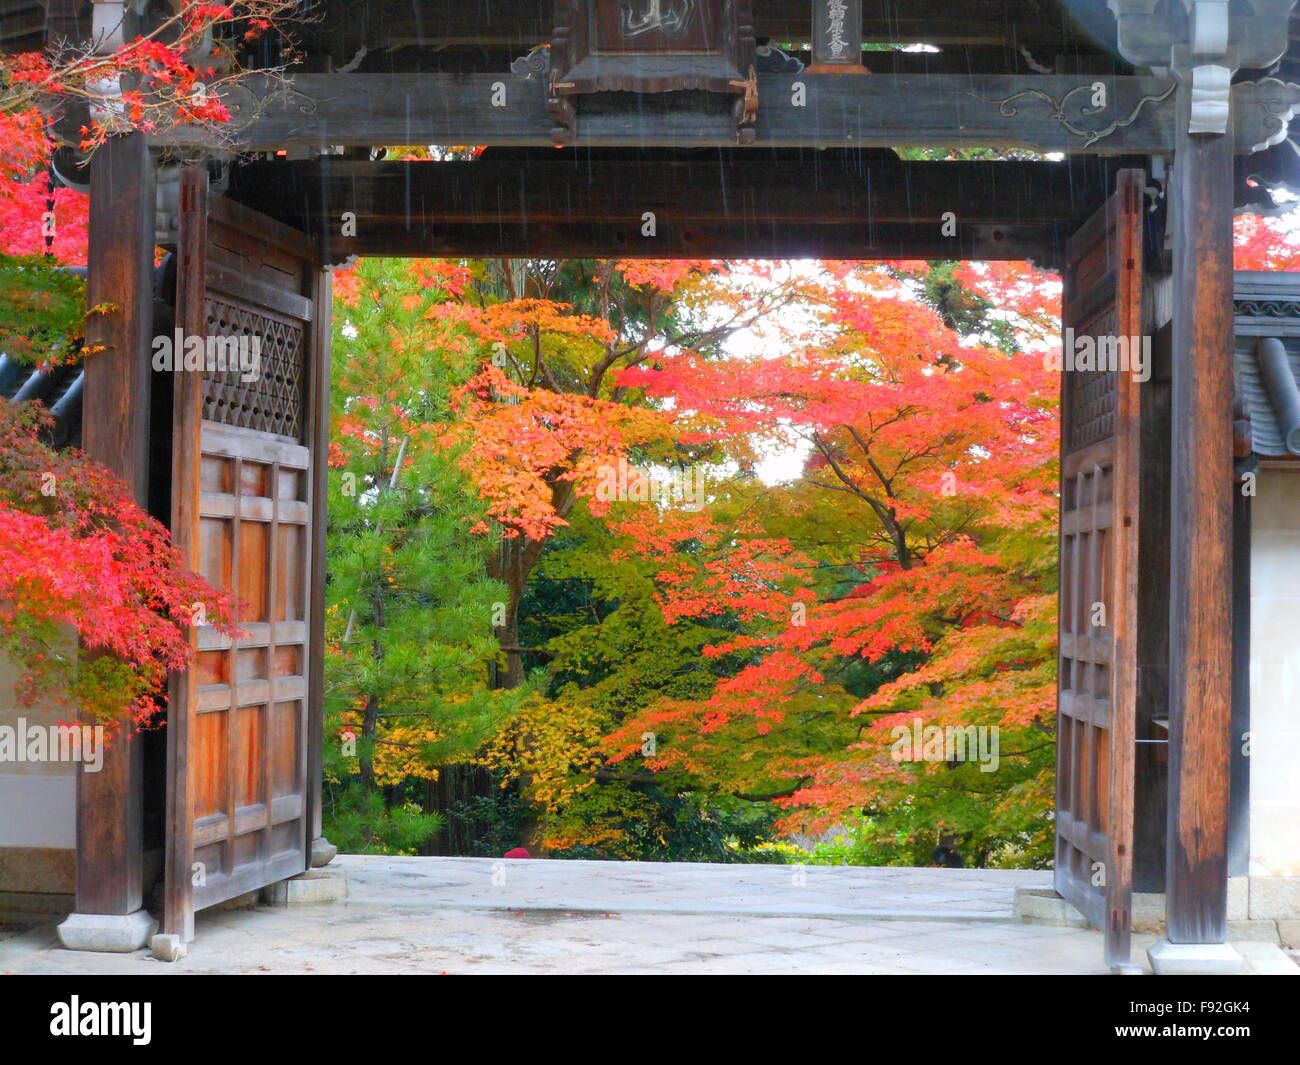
x=1262, y=112
x=1147, y=35
x=1205, y=42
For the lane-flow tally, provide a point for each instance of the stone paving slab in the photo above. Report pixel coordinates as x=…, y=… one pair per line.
x=678, y=887
x=487, y=942
x=438, y=915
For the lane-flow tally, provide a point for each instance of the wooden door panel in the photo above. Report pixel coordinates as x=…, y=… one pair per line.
x=239, y=802
x=1097, y=682
x=261, y=691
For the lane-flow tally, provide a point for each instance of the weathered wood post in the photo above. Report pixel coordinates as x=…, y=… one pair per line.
x=1201, y=559
x=109, y=914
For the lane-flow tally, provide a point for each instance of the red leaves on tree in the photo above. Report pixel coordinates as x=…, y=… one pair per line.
x=1263, y=243
x=939, y=452
x=79, y=558
x=25, y=192
x=166, y=78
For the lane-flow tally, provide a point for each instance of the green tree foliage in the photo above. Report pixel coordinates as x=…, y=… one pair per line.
x=409, y=605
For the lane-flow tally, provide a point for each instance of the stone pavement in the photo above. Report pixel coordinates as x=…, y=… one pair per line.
x=482, y=915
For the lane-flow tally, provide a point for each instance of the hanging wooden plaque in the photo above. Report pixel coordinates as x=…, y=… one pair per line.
x=837, y=36
x=653, y=46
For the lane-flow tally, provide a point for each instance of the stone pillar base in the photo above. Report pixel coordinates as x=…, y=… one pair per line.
x=168, y=947
x=1195, y=959
x=108, y=933
x=322, y=852
x=315, y=887
x=1042, y=905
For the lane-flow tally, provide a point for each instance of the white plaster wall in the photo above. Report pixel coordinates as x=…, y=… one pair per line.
x=1275, y=676
x=38, y=800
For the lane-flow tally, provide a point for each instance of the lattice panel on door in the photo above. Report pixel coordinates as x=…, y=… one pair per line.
x=272, y=401
x=250, y=720
x=1090, y=397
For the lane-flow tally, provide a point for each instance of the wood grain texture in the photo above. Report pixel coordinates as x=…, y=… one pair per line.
x=830, y=204
x=941, y=110
x=452, y=23
x=1125, y=621
x=247, y=744
x=1200, y=671
x=1151, y=797
x=116, y=433
x=1100, y=523
x=187, y=485
x=242, y=505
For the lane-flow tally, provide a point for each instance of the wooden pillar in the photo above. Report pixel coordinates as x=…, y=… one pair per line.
x=116, y=433
x=1200, y=675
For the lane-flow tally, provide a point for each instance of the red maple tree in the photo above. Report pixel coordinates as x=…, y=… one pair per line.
x=930, y=460
x=96, y=599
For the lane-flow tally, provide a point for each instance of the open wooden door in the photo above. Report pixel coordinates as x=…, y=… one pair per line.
x=239, y=803
x=1100, y=449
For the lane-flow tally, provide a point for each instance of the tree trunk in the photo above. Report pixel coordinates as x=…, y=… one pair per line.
x=366, y=750
x=456, y=784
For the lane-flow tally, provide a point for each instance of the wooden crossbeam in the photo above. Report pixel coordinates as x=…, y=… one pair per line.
x=857, y=241
x=957, y=59
x=22, y=25
x=1041, y=113
x=831, y=204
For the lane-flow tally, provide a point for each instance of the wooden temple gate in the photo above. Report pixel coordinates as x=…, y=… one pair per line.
x=737, y=148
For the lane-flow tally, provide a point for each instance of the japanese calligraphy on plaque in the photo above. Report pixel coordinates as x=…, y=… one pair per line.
x=657, y=26
x=687, y=47
x=837, y=33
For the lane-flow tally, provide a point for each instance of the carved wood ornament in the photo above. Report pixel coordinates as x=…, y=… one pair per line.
x=653, y=46
x=1206, y=43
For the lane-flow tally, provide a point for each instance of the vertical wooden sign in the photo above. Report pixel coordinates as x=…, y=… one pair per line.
x=837, y=36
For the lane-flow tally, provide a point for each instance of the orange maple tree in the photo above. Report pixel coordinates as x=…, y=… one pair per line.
x=547, y=418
